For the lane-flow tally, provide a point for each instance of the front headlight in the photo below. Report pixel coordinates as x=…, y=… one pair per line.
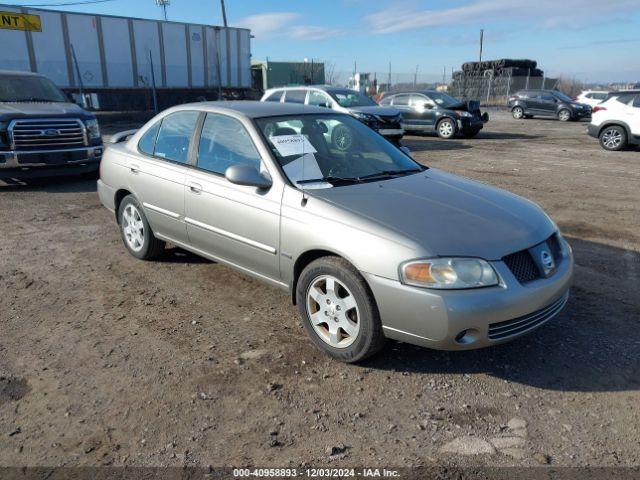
x=93, y=128
x=363, y=117
x=449, y=273
x=464, y=114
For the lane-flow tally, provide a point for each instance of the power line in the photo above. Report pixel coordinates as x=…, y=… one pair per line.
x=65, y=4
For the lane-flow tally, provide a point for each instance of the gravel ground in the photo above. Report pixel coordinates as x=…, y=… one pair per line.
x=106, y=360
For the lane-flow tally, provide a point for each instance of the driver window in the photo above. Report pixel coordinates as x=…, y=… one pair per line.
x=172, y=142
x=224, y=142
x=418, y=101
x=401, y=100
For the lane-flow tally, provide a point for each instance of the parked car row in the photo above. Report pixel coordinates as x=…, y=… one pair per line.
x=547, y=103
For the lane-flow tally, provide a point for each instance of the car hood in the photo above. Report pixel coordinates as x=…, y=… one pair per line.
x=42, y=109
x=375, y=110
x=445, y=214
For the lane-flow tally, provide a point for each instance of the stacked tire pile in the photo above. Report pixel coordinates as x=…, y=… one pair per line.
x=495, y=78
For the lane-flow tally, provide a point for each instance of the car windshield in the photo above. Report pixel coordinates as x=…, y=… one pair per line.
x=563, y=97
x=351, y=98
x=321, y=151
x=443, y=100
x=23, y=88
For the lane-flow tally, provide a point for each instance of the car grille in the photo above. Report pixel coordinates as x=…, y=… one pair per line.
x=523, y=266
x=517, y=326
x=49, y=134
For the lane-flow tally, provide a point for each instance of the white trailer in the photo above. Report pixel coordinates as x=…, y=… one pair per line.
x=118, y=53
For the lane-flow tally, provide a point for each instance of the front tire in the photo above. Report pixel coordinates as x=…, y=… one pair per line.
x=446, y=129
x=338, y=310
x=564, y=115
x=471, y=133
x=613, y=138
x=518, y=113
x=136, y=233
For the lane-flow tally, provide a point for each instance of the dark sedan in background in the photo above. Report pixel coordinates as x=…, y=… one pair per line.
x=429, y=111
x=547, y=103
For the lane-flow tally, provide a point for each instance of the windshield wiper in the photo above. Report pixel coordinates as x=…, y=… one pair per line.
x=330, y=179
x=36, y=99
x=389, y=173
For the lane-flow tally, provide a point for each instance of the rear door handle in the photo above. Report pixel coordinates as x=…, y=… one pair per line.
x=134, y=168
x=195, y=187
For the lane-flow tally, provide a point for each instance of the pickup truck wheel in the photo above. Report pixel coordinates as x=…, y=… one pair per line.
x=338, y=310
x=136, y=233
x=564, y=115
x=446, y=128
x=518, y=113
x=613, y=138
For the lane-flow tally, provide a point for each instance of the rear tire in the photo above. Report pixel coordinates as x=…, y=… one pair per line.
x=564, y=115
x=613, y=138
x=362, y=335
x=446, y=128
x=137, y=235
x=518, y=113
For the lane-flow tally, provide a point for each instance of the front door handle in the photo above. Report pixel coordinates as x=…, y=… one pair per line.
x=134, y=168
x=195, y=187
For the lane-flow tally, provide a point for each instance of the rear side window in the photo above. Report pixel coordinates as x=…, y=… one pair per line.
x=626, y=98
x=225, y=142
x=274, y=97
x=401, y=100
x=147, y=142
x=174, y=136
x=295, y=96
x=636, y=102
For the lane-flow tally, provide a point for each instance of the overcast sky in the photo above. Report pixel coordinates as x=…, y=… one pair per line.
x=593, y=40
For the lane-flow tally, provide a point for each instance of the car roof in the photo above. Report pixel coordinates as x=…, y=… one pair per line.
x=326, y=88
x=255, y=109
x=20, y=73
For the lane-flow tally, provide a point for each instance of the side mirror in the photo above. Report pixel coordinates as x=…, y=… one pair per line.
x=429, y=106
x=406, y=151
x=248, y=176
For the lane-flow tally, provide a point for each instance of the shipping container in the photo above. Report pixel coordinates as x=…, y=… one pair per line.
x=102, y=53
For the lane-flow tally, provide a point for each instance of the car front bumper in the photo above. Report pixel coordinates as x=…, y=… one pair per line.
x=470, y=319
x=44, y=163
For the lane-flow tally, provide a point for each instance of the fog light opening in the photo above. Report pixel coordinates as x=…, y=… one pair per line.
x=467, y=337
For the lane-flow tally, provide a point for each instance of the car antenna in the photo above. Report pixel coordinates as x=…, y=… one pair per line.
x=304, y=191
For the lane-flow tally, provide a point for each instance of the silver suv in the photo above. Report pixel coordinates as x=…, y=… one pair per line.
x=387, y=121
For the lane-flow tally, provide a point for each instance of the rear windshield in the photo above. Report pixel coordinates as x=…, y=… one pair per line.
x=18, y=88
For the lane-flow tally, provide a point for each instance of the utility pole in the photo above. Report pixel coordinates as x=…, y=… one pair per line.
x=389, y=78
x=224, y=13
x=163, y=4
x=481, y=42
x=415, y=77
x=444, y=75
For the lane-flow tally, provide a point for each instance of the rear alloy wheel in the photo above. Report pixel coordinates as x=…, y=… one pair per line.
x=613, y=138
x=338, y=310
x=136, y=232
x=446, y=129
x=564, y=115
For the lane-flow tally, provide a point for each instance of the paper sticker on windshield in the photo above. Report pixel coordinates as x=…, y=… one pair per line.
x=288, y=145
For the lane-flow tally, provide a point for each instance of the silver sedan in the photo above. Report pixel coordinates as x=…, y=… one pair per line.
x=370, y=244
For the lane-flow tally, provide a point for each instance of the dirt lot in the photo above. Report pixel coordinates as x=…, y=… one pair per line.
x=106, y=360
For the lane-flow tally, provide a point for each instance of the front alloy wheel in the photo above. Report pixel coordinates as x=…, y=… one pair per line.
x=338, y=310
x=333, y=311
x=518, y=113
x=564, y=115
x=446, y=129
